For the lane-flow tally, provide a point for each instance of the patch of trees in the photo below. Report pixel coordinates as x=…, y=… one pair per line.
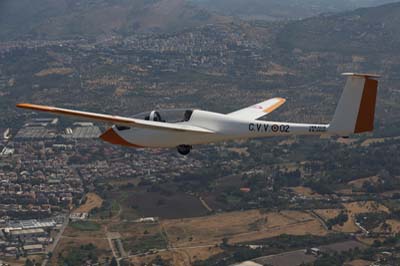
x=287, y=179
x=320, y=187
x=340, y=220
x=371, y=220
x=79, y=255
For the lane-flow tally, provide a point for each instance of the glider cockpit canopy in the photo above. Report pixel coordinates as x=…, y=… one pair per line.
x=166, y=115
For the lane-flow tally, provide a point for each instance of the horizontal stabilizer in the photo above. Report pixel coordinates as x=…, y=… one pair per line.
x=258, y=110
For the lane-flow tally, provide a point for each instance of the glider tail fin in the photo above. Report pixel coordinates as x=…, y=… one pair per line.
x=355, y=111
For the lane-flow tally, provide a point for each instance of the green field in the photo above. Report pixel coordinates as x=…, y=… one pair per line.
x=85, y=226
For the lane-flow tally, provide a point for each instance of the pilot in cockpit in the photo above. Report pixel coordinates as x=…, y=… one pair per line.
x=154, y=116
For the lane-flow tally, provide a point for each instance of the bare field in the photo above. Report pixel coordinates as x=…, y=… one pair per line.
x=358, y=263
x=239, y=227
x=394, y=225
x=327, y=214
x=52, y=71
x=92, y=201
x=358, y=183
x=305, y=191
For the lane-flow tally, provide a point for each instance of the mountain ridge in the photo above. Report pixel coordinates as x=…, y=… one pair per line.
x=60, y=19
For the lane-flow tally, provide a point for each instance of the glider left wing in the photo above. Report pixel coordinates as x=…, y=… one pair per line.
x=258, y=110
x=118, y=120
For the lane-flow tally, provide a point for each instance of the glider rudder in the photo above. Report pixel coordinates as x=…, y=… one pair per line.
x=355, y=111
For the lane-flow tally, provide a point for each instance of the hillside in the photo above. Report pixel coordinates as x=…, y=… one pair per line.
x=364, y=30
x=61, y=19
x=287, y=9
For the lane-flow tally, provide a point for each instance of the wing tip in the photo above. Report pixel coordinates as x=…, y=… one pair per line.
x=271, y=108
x=22, y=105
x=364, y=75
x=281, y=100
x=33, y=106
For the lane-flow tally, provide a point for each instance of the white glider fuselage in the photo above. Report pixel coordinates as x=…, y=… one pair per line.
x=354, y=114
x=223, y=128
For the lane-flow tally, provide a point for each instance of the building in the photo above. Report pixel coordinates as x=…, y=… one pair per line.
x=33, y=249
x=26, y=234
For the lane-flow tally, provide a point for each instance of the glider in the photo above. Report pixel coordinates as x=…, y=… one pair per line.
x=163, y=129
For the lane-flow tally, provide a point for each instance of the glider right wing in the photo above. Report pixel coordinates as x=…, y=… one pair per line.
x=118, y=120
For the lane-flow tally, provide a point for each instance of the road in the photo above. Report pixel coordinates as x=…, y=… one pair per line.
x=319, y=218
x=205, y=205
x=53, y=246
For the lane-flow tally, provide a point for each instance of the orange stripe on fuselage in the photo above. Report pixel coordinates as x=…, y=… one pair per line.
x=112, y=137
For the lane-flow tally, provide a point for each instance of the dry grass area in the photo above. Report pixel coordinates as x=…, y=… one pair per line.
x=53, y=71
x=145, y=260
x=368, y=142
x=347, y=141
x=305, y=191
x=120, y=91
x=365, y=206
x=276, y=70
x=354, y=208
x=349, y=191
x=358, y=183
x=327, y=214
x=129, y=229
x=239, y=227
x=199, y=253
x=394, y=225
x=179, y=257
x=358, y=262
x=288, y=141
x=240, y=151
x=92, y=201
x=71, y=232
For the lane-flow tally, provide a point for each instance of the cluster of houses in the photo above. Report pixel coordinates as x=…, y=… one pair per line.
x=26, y=237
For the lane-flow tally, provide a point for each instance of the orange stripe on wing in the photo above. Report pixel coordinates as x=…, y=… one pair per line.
x=274, y=106
x=35, y=107
x=94, y=116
